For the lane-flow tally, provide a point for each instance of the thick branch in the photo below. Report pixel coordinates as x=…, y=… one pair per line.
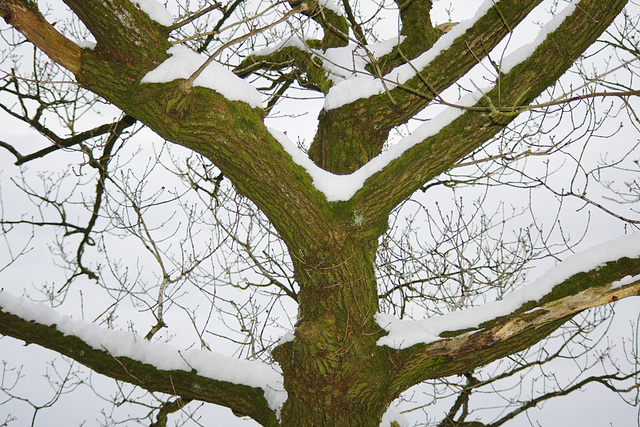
x=527, y=326
x=520, y=86
x=234, y=138
x=241, y=399
x=366, y=123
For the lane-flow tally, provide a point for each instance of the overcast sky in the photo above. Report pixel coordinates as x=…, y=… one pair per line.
x=593, y=407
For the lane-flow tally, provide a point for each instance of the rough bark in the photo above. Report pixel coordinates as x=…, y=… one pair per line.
x=351, y=135
x=528, y=325
x=334, y=372
x=516, y=89
x=242, y=400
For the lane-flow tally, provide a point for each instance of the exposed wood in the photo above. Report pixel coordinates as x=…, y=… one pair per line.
x=24, y=17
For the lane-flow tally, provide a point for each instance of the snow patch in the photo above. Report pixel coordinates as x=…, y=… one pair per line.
x=287, y=337
x=155, y=10
x=292, y=40
x=524, y=52
x=406, y=333
x=184, y=62
x=346, y=62
x=626, y=280
x=343, y=187
x=162, y=356
x=349, y=62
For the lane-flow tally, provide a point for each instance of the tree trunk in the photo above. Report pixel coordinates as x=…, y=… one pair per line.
x=335, y=374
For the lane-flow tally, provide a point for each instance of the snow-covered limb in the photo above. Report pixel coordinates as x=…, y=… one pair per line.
x=441, y=66
x=350, y=90
x=405, y=333
x=437, y=154
x=460, y=341
x=465, y=352
x=247, y=387
x=343, y=187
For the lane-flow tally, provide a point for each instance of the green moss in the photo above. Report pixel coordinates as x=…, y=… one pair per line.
x=342, y=211
x=314, y=44
x=31, y=5
x=609, y=273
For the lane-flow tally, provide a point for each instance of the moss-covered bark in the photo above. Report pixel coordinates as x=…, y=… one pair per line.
x=519, y=87
x=334, y=372
x=526, y=326
x=351, y=135
x=243, y=400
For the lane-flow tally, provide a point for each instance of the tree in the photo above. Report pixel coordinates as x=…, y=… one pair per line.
x=313, y=237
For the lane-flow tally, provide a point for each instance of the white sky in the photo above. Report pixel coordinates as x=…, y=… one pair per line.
x=336, y=188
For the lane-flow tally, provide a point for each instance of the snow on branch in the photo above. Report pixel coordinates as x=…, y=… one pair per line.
x=184, y=62
x=406, y=333
x=155, y=10
x=344, y=187
x=162, y=356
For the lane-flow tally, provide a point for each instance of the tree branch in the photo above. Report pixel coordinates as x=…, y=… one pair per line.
x=520, y=86
x=377, y=115
x=207, y=120
x=24, y=16
x=605, y=380
x=466, y=350
x=241, y=399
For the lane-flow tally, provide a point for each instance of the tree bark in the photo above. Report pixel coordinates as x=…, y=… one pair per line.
x=241, y=399
x=334, y=371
